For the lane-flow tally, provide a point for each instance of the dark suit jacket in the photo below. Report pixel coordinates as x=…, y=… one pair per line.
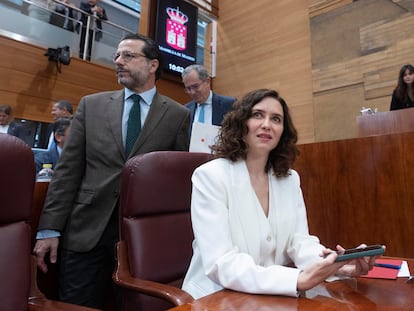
x=397, y=104
x=47, y=136
x=15, y=129
x=221, y=105
x=85, y=187
x=85, y=6
x=50, y=156
x=59, y=20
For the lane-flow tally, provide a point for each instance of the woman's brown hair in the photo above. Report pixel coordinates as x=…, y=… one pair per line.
x=231, y=143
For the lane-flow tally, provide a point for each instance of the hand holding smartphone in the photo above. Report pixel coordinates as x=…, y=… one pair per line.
x=352, y=253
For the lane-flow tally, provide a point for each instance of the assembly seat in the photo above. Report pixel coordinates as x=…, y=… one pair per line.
x=18, y=288
x=155, y=229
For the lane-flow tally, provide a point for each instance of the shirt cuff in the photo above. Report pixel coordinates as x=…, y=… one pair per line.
x=46, y=234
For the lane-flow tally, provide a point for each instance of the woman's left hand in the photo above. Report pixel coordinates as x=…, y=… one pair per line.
x=358, y=266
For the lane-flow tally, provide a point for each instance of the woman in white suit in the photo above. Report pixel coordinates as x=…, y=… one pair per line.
x=248, y=214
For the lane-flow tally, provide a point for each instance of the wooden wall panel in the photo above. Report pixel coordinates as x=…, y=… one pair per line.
x=384, y=43
x=356, y=191
x=318, y=7
x=266, y=44
x=29, y=82
x=385, y=33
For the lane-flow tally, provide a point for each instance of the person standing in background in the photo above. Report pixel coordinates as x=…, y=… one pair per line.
x=81, y=208
x=403, y=94
x=205, y=106
x=91, y=7
x=7, y=125
x=60, y=109
x=67, y=15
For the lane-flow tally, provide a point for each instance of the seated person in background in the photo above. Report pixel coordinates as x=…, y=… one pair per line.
x=403, y=94
x=61, y=129
x=252, y=198
x=91, y=7
x=66, y=16
x=7, y=125
x=205, y=106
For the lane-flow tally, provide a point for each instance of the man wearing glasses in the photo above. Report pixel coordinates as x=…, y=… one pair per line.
x=81, y=208
x=205, y=106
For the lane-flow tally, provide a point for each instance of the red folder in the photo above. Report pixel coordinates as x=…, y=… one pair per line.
x=384, y=273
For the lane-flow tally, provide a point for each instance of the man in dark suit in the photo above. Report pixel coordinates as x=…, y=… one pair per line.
x=91, y=7
x=64, y=16
x=206, y=106
x=81, y=208
x=7, y=125
x=60, y=109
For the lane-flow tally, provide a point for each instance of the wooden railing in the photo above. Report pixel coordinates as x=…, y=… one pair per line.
x=397, y=121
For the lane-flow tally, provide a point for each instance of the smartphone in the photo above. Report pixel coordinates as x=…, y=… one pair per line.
x=352, y=253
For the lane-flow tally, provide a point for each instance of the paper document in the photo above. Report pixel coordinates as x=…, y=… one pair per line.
x=404, y=271
x=202, y=137
x=386, y=269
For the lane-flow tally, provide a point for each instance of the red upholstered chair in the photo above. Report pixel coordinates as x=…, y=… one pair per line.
x=16, y=195
x=155, y=229
x=18, y=287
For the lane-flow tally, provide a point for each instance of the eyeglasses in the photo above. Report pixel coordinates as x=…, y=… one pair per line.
x=126, y=56
x=193, y=87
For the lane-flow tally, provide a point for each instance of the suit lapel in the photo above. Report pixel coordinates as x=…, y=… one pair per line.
x=114, y=118
x=216, y=110
x=192, y=106
x=245, y=208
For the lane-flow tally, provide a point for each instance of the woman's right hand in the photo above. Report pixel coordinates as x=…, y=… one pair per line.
x=319, y=271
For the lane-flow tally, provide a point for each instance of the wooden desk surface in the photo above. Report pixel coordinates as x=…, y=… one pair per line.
x=351, y=294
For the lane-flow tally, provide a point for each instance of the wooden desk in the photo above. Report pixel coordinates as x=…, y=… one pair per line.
x=360, y=190
x=351, y=294
x=388, y=122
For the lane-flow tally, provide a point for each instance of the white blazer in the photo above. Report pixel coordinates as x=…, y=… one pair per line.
x=230, y=239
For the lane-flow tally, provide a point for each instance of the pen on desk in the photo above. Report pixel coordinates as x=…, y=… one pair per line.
x=386, y=265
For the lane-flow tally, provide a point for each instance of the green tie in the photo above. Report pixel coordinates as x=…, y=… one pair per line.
x=134, y=124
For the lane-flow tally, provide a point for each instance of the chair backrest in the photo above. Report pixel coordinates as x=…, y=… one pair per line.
x=155, y=218
x=16, y=197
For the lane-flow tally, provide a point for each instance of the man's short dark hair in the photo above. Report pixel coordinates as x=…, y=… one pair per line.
x=61, y=124
x=65, y=105
x=150, y=49
x=7, y=109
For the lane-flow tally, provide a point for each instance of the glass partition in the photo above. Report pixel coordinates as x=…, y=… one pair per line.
x=35, y=22
x=39, y=22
